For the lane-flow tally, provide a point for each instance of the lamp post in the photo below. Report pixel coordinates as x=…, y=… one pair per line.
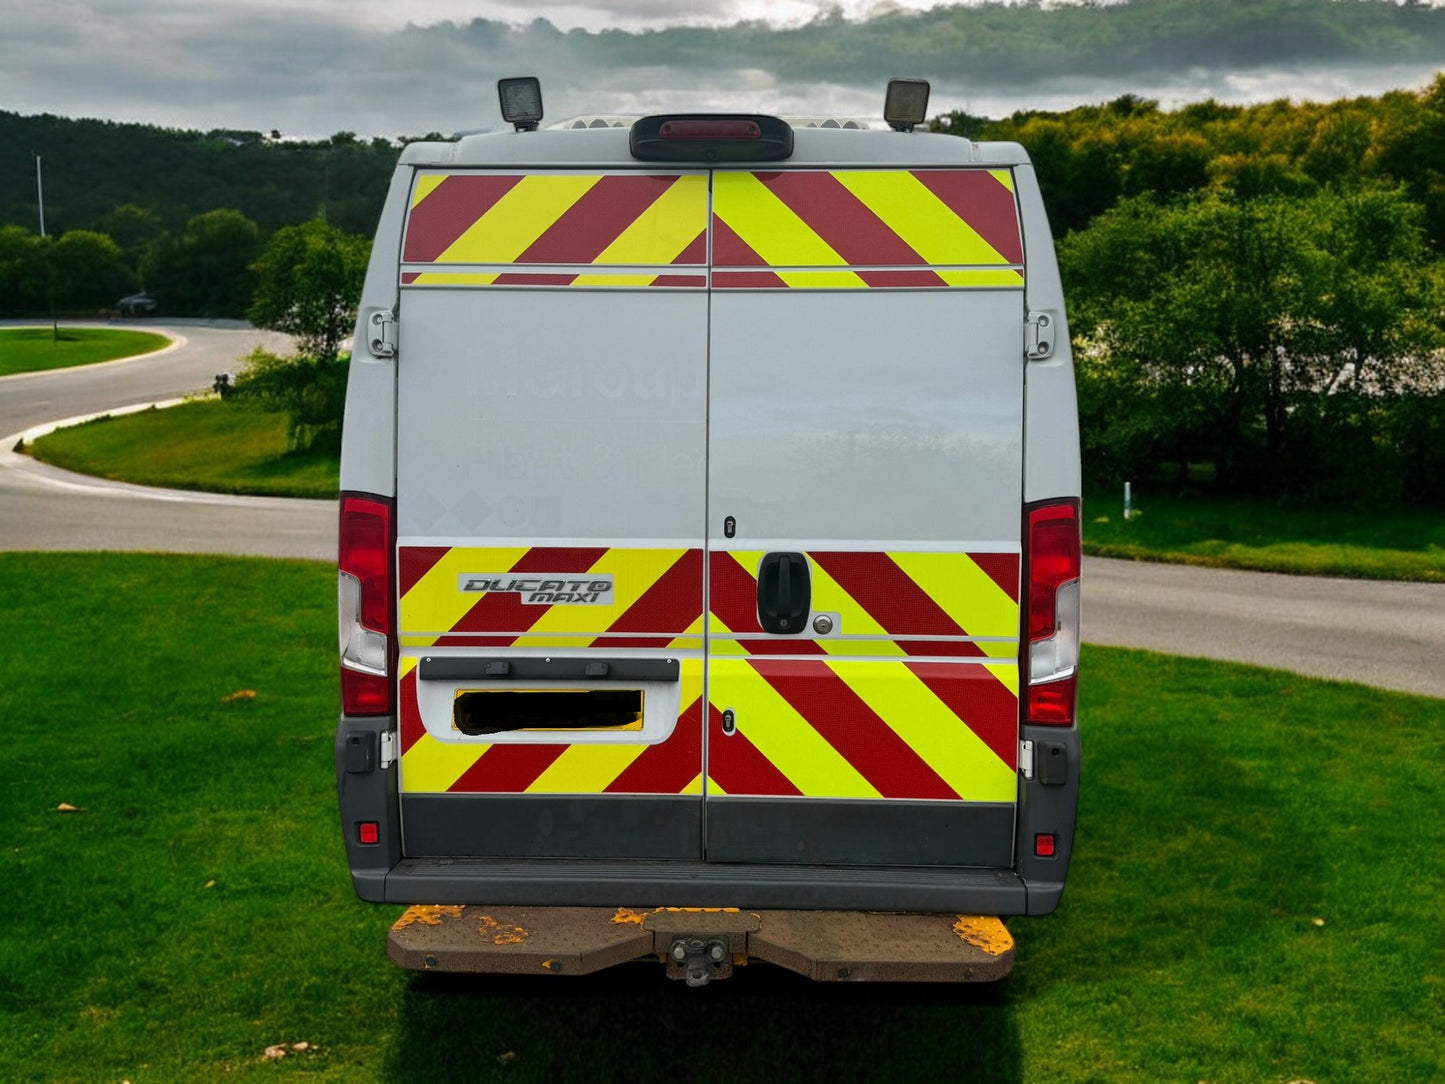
x=49, y=270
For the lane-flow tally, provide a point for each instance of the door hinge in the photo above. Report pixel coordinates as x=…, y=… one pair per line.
x=1026, y=759
x=1039, y=336
x=388, y=749
x=381, y=333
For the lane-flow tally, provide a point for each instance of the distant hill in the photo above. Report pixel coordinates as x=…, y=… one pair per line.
x=92, y=166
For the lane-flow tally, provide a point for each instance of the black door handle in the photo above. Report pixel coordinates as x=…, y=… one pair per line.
x=784, y=593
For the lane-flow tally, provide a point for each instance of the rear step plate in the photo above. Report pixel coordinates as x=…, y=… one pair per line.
x=699, y=944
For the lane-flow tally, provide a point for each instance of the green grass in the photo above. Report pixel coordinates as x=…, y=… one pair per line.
x=207, y=444
x=1224, y=810
x=32, y=349
x=1260, y=535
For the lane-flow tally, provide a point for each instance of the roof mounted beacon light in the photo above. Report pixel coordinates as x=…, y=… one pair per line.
x=906, y=103
x=521, y=102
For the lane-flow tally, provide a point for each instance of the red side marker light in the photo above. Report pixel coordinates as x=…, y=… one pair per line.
x=1044, y=844
x=368, y=833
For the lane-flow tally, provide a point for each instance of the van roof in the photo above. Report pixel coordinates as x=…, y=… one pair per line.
x=812, y=146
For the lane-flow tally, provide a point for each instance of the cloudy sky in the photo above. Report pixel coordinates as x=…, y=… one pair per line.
x=313, y=67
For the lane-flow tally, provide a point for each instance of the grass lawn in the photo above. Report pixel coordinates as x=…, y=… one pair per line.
x=1239, y=533
x=31, y=349
x=1255, y=894
x=221, y=447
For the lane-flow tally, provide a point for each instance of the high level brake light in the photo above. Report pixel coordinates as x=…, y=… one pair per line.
x=1053, y=562
x=364, y=604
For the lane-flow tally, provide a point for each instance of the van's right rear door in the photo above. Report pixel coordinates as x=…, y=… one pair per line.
x=865, y=458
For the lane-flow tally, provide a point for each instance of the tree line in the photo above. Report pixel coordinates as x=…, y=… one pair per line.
x=1256, y=294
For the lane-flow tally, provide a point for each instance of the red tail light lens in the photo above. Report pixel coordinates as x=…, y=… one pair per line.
x=1054, y=560
x=364, y=603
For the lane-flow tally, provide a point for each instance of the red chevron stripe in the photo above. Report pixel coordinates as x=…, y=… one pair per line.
x=730, y=250
x=883, y=589
x=597, y=219
x=696, y=251
x=498, y=612
x=737, y=766
x=669, y=766
x=1002, y=568
x=679, y=280
x=901, y=279
x=746, y=280
x=980, y=700
x=669, y=606
x=414, y=562
x=855, y=730
x=411, y=725
x=449, y=210
x=507, y=769
x=522, y=279
x=976, y=196
x=841, y=219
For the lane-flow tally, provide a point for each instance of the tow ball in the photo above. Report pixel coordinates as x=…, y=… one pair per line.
x=698, y=960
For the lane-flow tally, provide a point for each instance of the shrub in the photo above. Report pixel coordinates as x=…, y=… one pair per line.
x=311, y=392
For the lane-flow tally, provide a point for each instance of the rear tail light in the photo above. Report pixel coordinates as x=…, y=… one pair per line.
x=1053, y=561
x=364, y=604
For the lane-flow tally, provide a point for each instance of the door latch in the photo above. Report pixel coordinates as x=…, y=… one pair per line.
x=784, y=593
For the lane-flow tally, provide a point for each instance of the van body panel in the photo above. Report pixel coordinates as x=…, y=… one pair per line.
x=636, y=413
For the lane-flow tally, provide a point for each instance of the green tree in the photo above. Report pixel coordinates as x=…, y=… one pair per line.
x=89, y=271
x=308, y=284
x=1269, y=336
x=206, y=271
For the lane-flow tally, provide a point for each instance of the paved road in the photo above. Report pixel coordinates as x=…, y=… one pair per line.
x=1386, y=634
x=43, y=508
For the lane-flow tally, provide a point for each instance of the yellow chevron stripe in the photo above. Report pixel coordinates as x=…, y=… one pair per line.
x=1004, y=177
x=822, y=280
x=1006, y=672
x=454, y=278
x=585, y=769
x=431, y=767
x=924, y=221
x=515, y=221
x=783, y=736
x=663, y=231
x=1005, y=277
x=426, y=184
x=963, y=591
x=930, y=729
x=768, y=225
x=434, y=604
x=853, y=620
x=695, y=787
x=613, y=280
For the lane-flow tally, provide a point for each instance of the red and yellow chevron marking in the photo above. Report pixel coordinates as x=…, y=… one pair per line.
x=672, y=766
x=887, y=228
x=596, y=281
x=898, y=725
x=825, y=728
x=657, y=601
x=611, y=219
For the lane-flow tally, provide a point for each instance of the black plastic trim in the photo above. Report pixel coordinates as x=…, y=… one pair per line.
x=629, y=826
x=703, y=884
x=774, y=143
x=866, y=833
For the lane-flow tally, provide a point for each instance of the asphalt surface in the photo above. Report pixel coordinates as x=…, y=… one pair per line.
x=1391, y=635
x=42, y=508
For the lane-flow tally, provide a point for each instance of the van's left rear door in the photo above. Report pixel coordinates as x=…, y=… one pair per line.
x=552, y=372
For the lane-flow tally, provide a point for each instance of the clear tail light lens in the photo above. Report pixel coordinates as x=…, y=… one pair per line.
x=1054, y=560
x=364, y=600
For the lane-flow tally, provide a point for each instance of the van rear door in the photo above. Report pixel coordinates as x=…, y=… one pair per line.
x=551, y=485
x=864, y=493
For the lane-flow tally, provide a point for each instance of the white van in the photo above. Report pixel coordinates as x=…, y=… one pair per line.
x=709, y=537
